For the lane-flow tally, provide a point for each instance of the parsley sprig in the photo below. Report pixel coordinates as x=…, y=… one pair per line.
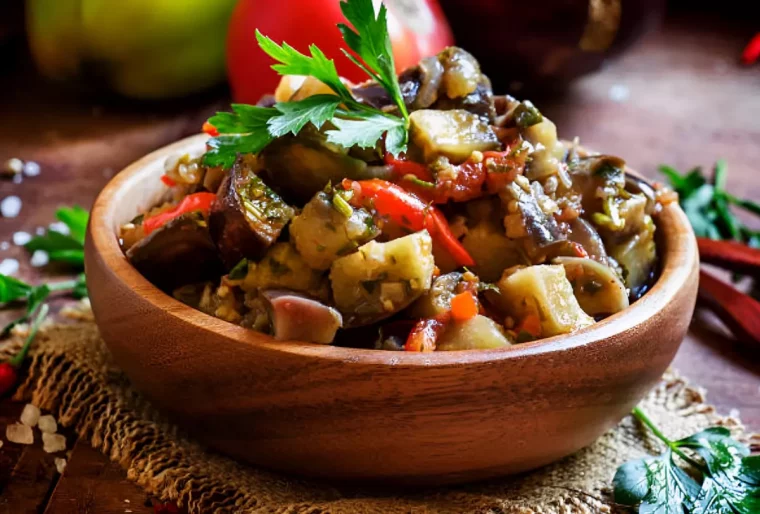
x=723, y=478
x=249, y=129
x=68, y=248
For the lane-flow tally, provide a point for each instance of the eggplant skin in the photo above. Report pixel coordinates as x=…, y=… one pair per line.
x=181, y=252
x=247, y=216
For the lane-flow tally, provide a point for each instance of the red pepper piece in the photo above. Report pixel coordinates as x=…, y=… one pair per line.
x=407, y=210
x=738, y=311
x=8, y=377
x=194, y=202
x=426, y=332
x=464, y=306
x=403, y=167
x=730, y=255
x=751, y=52
x=170, y=182
x=209, y=129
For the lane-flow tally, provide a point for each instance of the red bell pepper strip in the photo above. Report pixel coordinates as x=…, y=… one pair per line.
x=209, y=129
x=426, y=332
x=170, y=182
x=194, y=202
x=407, y=210
x=751, y=52
x=402, y=168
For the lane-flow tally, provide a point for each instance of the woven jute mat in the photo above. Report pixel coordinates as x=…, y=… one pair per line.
x=73, y=376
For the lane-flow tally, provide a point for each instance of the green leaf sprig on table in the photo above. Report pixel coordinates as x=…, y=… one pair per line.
x=249, y=129
x=708, y=205
x=67, y=248
x=722, y=477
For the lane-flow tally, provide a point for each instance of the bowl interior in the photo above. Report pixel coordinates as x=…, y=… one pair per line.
x=138, y=187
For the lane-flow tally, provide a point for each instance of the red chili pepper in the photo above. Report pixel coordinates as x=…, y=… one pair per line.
x=168, y=180
x=8, y=377
x=194, y=202
x=9, y=369
x=751, y=52
x=209, y=129
x=407, y=210
x=426, y=332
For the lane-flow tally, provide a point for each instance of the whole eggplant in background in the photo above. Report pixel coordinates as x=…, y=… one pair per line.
x=545, y=44
x=138, y=48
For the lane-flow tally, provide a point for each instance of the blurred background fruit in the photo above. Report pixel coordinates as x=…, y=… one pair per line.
x=545, y=44
x=138, y=48
x=417, y=28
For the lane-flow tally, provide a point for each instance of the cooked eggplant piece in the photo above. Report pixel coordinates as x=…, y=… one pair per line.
x=321, y=233
x=438, y=299
x=300, y=166
x=382, y=278
x=637, y=256
x=527, y=219
x=180, y=252
x=597, y=288
x=296, y=317
x=247, y=216
x=461, y=72
x=545, y=292
x=284, y=268
x=584, y=234
x=477, y=333
x=452, y=134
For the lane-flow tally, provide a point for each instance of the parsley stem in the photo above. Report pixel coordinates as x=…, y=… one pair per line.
x=63, y=285
x=644, y=419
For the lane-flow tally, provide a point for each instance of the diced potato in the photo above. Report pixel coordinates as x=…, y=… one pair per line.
x=382, y=278
x=283, y=268
x=549, y=152
x=453, y=134
x=478, y=333
x=322, y=234
x=491, y=249
x=597, y=288
x=543, y=291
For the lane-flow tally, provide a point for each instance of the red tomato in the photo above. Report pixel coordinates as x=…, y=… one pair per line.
x=417, y=29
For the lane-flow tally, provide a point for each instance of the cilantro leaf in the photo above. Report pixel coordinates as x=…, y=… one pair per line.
x=75, y=218
x=12, y=289
x=656, y=485
x=294, y=116
x=225, y=149
x=68, y=248
x=292, y=62
x=366, y=130
x=372, y=43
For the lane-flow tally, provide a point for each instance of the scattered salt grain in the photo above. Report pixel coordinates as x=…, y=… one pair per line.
x=19, y=434
x=13, y=166
x=30, y=415
x=9, y=266
x=47, y=424
x=59, y=227
x=39, y=258
x=40, y=231
x=619, y=93
x=17, y=179
x=31, y=169
x=127, y=500
x=53, y=443
x=21, y=238
x=5, y=245
x=10, y=207
x=60, y=464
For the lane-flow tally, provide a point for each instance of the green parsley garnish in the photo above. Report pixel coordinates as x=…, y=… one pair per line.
x=723, y=477
x=249, y=129
x=68, y=248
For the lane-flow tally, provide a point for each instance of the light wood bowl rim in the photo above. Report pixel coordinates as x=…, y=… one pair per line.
x=677, y=261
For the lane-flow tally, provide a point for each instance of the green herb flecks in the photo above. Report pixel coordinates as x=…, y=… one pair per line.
x=249, y=129
x=723, y=477
x=239, y=271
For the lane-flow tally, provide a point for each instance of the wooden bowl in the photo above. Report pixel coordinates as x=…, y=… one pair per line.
x=354, y=414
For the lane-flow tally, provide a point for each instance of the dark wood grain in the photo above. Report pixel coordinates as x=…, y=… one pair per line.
x=688, y=103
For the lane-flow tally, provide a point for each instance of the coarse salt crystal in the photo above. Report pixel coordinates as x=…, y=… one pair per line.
x=39, y=258
x=19, y=434
x=13, y=166
x=40, y=231
x=47, y=424
x=5, y=245
x=8, y=266
x=30, y=415
x=60, y=464
x=10, y=207
x=21, y=238
x=59, y=227
x=31, y=169
x=53, y=443
x=17, y=179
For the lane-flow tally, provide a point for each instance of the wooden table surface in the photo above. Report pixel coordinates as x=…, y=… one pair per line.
x=678, y=98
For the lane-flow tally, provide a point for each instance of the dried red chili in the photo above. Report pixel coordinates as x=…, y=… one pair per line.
x=751, y=52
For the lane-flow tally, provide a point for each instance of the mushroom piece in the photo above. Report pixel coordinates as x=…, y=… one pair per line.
x=181, y=252
x=296, y=317
x=597, y=288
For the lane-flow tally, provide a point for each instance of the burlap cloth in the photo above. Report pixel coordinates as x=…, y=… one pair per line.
x=73, y=376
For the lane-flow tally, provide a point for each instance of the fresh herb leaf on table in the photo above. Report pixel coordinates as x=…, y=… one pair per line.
x=722, y=477
x=68, y=248
x=707, y=204
x=249, y=129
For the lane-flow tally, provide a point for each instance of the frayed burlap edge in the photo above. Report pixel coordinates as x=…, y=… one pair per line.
x=73, y=376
